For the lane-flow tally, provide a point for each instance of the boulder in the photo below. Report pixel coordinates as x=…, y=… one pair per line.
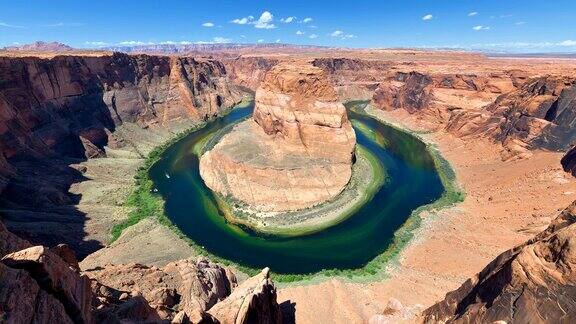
x=57, y=278
x=186, y=285
x=254, y=301
x=22, y=300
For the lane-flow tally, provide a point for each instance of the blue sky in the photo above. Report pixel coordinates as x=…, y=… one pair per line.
x=497, y=25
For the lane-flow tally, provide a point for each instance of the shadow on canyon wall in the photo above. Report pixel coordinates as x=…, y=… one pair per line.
x=36, y=202
x=288, y=309
x=57, y=112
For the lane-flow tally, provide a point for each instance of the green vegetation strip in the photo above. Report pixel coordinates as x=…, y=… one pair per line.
x=142, y=201
x=368, y=175
x=146, y=204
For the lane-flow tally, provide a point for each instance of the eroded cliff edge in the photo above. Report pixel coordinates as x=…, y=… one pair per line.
x=295, y=153
x=44, y=285
x=531, y=283
x=66, y=119
x=57, y=112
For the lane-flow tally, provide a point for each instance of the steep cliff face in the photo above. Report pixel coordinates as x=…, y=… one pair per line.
x=539, y=114
x=511, y=108
x=569, y=161
x=532, y=283
x=296, y=152
x=542, y=113
x=416, y=91
x=49, y=105
x=58, y=111
x=353, y=79
x=412, y=92
x=249, y=71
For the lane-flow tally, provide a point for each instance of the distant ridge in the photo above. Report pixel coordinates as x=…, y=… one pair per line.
x=40, y=47
x=533, y=55
x=188, y=48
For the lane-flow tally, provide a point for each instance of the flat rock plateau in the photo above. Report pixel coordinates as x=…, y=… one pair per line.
x=76, y=125
x=295, y=153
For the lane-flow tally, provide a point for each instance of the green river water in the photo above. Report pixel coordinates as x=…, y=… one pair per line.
x=413, y=181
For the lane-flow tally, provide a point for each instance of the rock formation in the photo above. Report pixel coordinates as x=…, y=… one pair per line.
x=184, y=285
x=569, y=161
x=295, y=153
x=253, y=301
x=41, y=285
x=532, y=283
x=40, y=47
x=37, y=285
x=414, y=94
x=55, y=111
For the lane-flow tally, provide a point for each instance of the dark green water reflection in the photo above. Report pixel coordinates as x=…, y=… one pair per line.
x=413, y=182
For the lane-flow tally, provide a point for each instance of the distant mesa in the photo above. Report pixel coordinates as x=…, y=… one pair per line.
x=295, y=153
x=41, y=47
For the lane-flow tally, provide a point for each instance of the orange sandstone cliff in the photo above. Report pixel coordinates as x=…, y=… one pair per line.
x=297, y=151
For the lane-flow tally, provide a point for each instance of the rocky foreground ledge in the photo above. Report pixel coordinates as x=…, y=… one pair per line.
x=42, y=285
x=295, y=153
x=531, y=283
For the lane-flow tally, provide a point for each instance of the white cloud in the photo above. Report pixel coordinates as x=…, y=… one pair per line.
x=62, y=24
x=3, y=24
x=568, y=43
x=313, y=26
x=313, y=36
x=480, y=27
x=307, y=20
x=260, y=41
x=134, y=43
x=221, y=40
x=242, y=36
x=243, y=21
x=427, y=17
x=215, y=40
x=97, y=43
x=208, y=24
x=342, y=35
x=299, y=32
x=288, y=20
x=472, y=14
x=520, y=23
x=278, y=40
x=565, y=43
x=265, y=21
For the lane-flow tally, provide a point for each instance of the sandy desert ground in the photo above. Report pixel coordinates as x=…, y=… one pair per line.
x=506, y=203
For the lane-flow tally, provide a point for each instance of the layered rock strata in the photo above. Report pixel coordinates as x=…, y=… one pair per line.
x=59, y=111
x=295, y=153
x=532, y=283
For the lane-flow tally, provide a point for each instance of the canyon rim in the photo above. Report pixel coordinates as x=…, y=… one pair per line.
x=331, y=178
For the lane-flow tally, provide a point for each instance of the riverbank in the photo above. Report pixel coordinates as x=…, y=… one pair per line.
x=372, y=271
x=111, y=198
x=368, y=175
x=505, y=204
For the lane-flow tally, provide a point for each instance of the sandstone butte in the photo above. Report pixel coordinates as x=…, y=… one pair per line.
x=295, y=153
